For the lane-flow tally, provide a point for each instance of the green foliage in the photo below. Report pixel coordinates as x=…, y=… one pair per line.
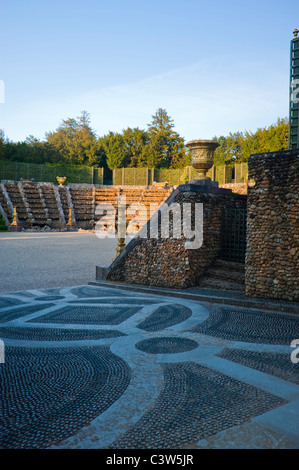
x=3, y=227
x=237, y=147
x=166, y=148
x=160, y=146
x=74, y=140
x=135, y=142
x=113, y=146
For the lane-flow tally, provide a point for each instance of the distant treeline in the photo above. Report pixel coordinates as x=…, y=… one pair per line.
x=159, y=146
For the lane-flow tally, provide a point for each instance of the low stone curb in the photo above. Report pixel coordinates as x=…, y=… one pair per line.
x=264, y=304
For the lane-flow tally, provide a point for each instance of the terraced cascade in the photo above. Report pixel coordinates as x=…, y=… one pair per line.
x=48, y=194
x=64, y=201
x=5, y=204
x=154, y=195
x=134, y=195
x=105, y=195
x=37, y=205
x=46, y=205
x=24, y=215
x=82, y=199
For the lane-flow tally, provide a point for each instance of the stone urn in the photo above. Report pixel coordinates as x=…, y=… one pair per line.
x=202, y=156
x=61, y=180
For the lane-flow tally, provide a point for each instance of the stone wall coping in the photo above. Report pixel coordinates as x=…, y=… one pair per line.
x=273, y=154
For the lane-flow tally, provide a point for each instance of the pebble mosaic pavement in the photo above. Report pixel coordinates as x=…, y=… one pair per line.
x=98, y=367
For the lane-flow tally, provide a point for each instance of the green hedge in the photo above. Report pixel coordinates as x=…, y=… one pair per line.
x=121, y=176
x=145, y=176
x=3, y=227
x=48, y=173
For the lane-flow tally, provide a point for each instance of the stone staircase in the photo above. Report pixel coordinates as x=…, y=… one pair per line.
x=226, y=275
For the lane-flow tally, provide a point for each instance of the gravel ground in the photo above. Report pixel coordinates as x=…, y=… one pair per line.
x=42, y=260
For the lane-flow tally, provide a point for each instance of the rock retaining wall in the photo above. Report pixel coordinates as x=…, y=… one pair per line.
x=167, y=262
x=272, y=258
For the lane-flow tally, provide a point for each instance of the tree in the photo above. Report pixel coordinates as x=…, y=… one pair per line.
x=166, y=148
x=135, y=141
x=114, y=149
x=230, y=150
x=237, y=147
x=74, y=140
x=2, y=144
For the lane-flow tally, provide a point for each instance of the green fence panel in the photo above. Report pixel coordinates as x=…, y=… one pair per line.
x=46, y=173
x=145, y=176
x=130, y=176
x=142, y=175
x=98, y=175
x=220, y=177
x=117, y=176
x=241, y=171
x=244, y=167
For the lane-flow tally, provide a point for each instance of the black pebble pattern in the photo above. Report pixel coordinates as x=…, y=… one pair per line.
x=195, y=403
x=21, y=312
x=82, y=315
x=8, y=302
x=140, y=302
x=49, y=298
x=47, y=395
x=249, y=326
x=277, y=364
x=165, y=316
x=56, y=334
x=166, y=345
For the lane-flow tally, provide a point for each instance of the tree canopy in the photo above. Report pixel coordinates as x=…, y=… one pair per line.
x=238, y=146
x=74, y=140
x=159, y=146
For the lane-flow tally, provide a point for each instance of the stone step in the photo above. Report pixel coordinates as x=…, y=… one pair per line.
x=224, y=275
x=221, y=284
x=220, y=263
x=231, y=275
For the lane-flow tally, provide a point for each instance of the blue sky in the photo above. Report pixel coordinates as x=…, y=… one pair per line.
x=216, y=67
